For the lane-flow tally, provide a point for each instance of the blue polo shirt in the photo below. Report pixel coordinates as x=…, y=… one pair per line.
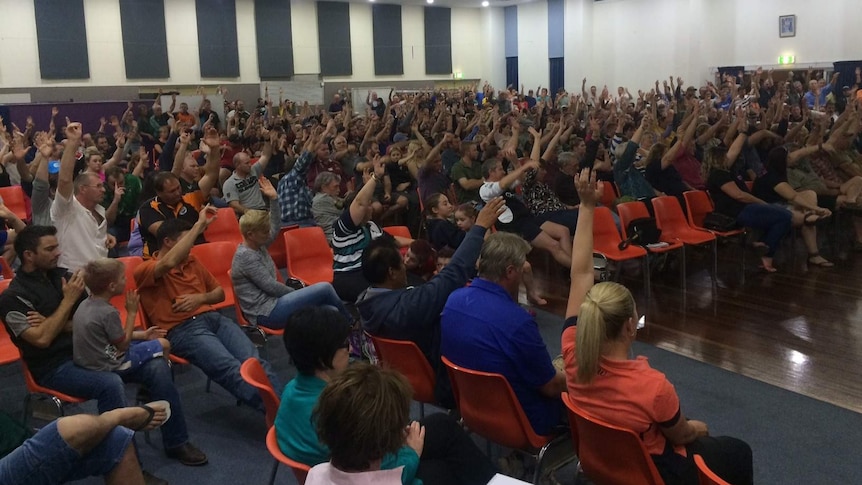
x=483, y=329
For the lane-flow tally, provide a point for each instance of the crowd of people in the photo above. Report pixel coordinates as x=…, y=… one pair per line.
x=479, y=176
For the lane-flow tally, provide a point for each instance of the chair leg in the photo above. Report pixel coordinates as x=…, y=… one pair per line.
x=646, y=277
x=682, y=269
x=28, y=399
x=715, y=261
x=59, y=405
x=273, y=472
x=421, y=410
x=540, y=457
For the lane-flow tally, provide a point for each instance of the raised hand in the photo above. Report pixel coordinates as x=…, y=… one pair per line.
x=488, y=215
x=73, y=132
x=207, y=215
x=266, y=187
x=132, y=300
x=588, y=189
x=73, y=288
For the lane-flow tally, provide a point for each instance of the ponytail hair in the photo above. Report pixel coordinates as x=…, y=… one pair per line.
x=606, y=308
x=431, y=203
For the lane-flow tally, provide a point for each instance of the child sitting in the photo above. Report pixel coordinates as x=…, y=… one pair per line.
x=100, y=340
x=441, y=232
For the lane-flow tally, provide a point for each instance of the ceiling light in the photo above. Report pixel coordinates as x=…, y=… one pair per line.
x=486, y=3
x=429, y=1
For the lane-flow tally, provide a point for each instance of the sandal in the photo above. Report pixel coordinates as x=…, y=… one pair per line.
x=812, y=219
x=151, y=413
x=823, y=264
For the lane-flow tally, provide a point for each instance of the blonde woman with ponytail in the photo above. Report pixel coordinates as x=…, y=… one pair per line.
x=601, y=378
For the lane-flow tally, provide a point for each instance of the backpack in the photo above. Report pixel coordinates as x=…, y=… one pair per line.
x=642, y=231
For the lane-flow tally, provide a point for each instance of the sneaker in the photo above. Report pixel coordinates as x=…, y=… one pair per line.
x=150, y=479
x=188, y=455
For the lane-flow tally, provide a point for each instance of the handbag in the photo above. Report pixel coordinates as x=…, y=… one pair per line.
x=642, y=232
x=719, y=222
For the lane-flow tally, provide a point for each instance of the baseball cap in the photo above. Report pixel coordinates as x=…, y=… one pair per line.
x=54, y=166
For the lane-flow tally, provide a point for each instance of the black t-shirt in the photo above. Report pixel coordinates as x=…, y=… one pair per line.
x=764, y=188
x=154, y=210
x=399, y=174
x=725, y=204
x=668, y=180
x=564, y=187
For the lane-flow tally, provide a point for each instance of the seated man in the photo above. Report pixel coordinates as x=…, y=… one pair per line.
x=171, y=202
x=37, y=310
x=80, y=446
x=177, y=293
x=390, y=309
x=483, y=328
x=241, y=190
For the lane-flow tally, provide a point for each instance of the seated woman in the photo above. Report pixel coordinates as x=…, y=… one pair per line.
x=772, y=187
x=726, y=185
x=421, y=262
x=351, y=234
x=327, y=206
x=263, y=299
x=601, y=324
x=316, y=340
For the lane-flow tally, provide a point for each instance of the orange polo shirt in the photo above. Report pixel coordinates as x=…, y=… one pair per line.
x=158, y=294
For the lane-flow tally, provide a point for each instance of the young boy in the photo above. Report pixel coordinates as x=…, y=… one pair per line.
x=100, y=340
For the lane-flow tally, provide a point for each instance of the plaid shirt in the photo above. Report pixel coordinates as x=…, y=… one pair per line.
x=294, y=195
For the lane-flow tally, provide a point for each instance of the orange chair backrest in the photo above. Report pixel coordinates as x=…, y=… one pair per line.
x=300, y=470
x=609, y=194
x=240, y=317
x=119, y=301
x=399, y=231
x=309, y=257
x=8, y=350
x=15, y=199
x=605, y=231
x=698, y=205
x=405, y=357
x=276, y=248
x=629, y=211
x=490, y=408
x=252, y=373
x=668, y=213
x=225, y=227
x=216, y=256
x=705, y=475
x=6, y=269
x=610, y=454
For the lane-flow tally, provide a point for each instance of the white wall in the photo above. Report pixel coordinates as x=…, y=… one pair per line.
x=533, y=68
x=493, y=51
x=306, y=58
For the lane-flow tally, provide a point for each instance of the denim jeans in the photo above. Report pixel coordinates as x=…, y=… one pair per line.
x=217, y=345
x=107, y=388
x=774, y=221
x=318, y=294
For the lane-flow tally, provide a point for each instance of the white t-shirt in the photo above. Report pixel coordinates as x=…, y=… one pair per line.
x=326, y=474
x=81, y=237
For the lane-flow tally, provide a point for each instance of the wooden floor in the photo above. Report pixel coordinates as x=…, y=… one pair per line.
x=799, y=329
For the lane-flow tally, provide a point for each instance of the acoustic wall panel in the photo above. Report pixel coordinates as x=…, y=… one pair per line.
x=438, y=40
x=217, y=45
x=333, y=31
x=62, y=39
x=274, y=39
x=145, y=45
x=388, y=50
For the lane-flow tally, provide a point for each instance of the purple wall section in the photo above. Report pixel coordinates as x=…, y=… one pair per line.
x=87, y=114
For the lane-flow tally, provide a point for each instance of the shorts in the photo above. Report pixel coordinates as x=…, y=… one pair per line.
x=47, y=459
x=139, y=353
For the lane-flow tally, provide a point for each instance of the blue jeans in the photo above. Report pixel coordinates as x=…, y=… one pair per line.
x=774, y=221
x=218, y=347
x=299, y=222
x=107, y=388
x=318, y=294
x=46, y=458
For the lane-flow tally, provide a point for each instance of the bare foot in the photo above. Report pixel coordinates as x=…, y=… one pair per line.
x=147, y=417
x=767, y=265
x=536, y=299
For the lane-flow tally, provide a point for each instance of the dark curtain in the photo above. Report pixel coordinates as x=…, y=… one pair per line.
x=847, y=71
x=557, y=74
x=512, y=71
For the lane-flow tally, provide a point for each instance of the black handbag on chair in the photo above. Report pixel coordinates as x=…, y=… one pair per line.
x=719, y=222
x=642, y=231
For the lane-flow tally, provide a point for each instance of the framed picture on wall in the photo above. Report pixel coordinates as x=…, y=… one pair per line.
x=787, y=26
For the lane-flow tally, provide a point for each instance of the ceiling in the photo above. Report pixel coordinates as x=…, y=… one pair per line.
x=447, y=3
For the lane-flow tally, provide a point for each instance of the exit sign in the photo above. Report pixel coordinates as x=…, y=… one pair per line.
x=787, y=60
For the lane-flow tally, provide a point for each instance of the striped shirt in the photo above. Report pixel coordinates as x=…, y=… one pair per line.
x=349, y=241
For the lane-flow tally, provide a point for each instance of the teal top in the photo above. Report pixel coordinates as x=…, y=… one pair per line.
x=297, y=436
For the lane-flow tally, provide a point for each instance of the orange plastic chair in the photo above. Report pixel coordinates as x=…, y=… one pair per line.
x=698, y=205
x=398, y=231
x=8, y=351
x=629, y=211
x=15, y=199
x=405, y=357
x=119, y=301
x=276, y=248
x=705, y=475
x=225, y=227
x=252, y=373
x=217, y=257
x=489, y=408
x=300, y=470
x=672, y=222
x=607, y=240
x=603, y=449
x=35, y=390
x=6, y=269
x=609, y=194
x=240, y=317
x=309, y=257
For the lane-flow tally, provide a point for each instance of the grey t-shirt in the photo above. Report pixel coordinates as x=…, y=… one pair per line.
x=96, y=329
x=245, y=190
x=40, y=201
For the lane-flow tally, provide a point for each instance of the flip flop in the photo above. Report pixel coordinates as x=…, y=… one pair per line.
x=768, y=270
x=823, y=264
x=811, y=219
x=151, y=413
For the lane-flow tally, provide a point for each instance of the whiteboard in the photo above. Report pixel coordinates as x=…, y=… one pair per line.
x=358, y=95
x=302, y=88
